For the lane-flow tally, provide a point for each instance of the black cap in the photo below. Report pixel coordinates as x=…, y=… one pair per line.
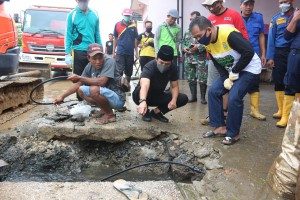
x=166, y=53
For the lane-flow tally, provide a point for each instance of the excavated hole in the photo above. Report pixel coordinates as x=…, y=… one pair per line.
x=69, y=160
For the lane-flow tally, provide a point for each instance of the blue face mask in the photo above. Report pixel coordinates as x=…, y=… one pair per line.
x=205, y=40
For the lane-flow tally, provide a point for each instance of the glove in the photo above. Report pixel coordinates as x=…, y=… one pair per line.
x=233, y=76
x=228, y=84
x=68, y=59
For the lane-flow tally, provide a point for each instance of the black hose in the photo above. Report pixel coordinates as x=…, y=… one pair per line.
x=42, y=83
x=194, y=169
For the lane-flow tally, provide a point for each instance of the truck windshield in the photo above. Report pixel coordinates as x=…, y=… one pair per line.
x=45, y=21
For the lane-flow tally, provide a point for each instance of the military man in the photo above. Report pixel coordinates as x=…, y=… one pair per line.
x=195, y=64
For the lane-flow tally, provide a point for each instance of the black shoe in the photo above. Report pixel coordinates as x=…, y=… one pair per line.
x=147, y=117
x=192, y=100
x=159, y=116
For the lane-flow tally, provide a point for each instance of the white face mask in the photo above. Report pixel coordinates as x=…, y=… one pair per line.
x=284, y=7
x=83, y=5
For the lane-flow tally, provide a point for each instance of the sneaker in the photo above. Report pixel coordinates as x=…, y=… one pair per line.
x=147, y=117
x=159, y=116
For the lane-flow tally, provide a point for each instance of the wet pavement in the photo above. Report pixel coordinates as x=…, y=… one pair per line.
x=245, y=164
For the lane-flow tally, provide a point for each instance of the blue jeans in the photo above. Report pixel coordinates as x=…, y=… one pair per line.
x=113, y=99
x=235, y=102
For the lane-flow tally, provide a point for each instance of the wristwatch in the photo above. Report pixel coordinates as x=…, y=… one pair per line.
x=141, y=100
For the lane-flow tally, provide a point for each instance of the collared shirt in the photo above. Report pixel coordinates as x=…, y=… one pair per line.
x=232, y=18
x=82, y=30
x=126, y=35
x=255, y=26
x=276, y=38
x=168, y=35
x=148, y=50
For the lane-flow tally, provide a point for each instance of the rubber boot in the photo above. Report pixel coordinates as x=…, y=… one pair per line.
x=193, y=89
x=279, y=98
x=254, y=105
x=203, y=87
x=287, y=106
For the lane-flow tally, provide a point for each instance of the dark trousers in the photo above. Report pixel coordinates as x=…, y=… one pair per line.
x=124, y=65
x=80, y=61
x=144, y=60
x=254, y=87
x=292, y=76
x=235, y=102
x=280, y=62
x=160, y=100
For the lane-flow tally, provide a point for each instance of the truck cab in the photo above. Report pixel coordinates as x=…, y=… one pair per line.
x=43, y=36
x=9, y=50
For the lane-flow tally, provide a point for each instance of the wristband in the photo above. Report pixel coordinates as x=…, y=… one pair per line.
x=141, y=100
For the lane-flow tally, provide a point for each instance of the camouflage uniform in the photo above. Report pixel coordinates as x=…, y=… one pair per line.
x=195, y=64
x=195, y=67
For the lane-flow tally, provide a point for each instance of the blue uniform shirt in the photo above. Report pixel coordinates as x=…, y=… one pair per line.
x=276, y=34
x=255, y=26
x=82, y=30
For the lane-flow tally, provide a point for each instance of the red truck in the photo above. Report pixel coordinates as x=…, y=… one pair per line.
x=9, y=50
x=43, y=36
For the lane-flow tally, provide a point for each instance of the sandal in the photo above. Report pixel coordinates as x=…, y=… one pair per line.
x=105, y=119
x=211, y=134
x=230, y=140
x=129, y=190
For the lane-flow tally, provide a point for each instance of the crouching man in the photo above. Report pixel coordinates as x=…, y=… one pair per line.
x=97, y=85
x=151, y=89
x=239, y=68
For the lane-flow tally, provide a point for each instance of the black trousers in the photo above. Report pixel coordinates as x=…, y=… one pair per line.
x=80, y=61
x=124, y=65
x=160, y=100
x=292, y=76
x=280, y=62
x=144, y=60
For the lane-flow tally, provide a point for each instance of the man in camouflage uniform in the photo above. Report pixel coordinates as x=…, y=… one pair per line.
x=195, y=64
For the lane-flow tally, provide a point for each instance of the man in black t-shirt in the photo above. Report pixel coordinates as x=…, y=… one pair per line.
x=109, y=45
x=151, y=88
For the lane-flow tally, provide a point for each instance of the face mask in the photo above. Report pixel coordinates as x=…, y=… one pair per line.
x=162, y=68
x=127, y=19
x=284, y=7
x=205, y=40
x=83, y=5
x=148, y=30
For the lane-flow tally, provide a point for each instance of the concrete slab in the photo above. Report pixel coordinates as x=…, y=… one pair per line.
x=166, y=190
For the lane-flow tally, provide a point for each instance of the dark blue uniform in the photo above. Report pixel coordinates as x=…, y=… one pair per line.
x=292, y=76
x=278, y=48
x=255, y=26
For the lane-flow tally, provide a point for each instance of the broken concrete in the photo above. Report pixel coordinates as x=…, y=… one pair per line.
x=166, y=190
x=16, y=92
